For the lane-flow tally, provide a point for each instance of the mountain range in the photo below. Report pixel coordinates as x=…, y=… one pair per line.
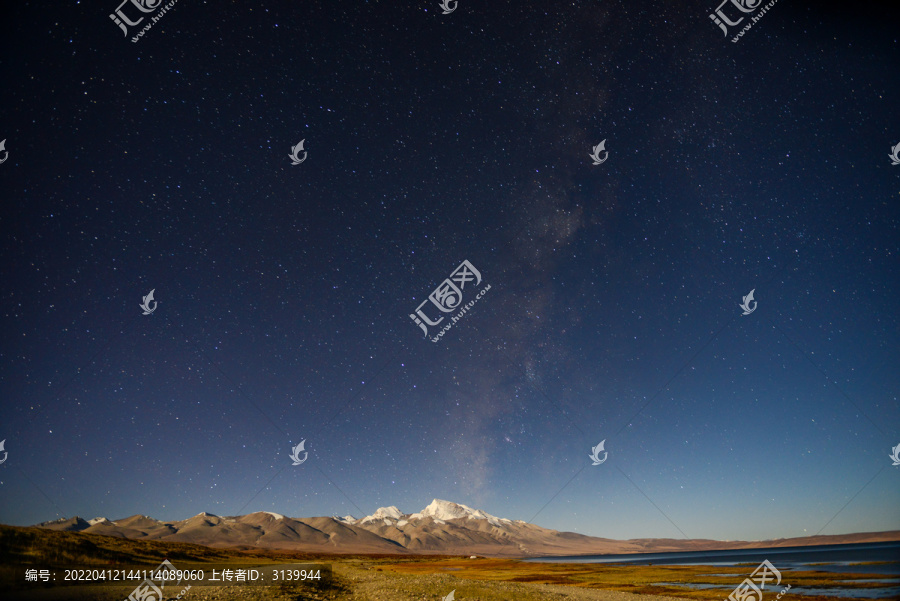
x=443, y=527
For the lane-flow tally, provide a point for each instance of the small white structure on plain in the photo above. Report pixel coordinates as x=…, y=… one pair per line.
x=450, y=596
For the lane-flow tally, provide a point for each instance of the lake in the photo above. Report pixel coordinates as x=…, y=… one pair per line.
x=832, y=558
x=844, y=559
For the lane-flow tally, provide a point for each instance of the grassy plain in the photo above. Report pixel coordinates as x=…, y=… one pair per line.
x=385, y=578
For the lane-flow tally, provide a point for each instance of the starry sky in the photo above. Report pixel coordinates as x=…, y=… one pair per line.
x=283, y=292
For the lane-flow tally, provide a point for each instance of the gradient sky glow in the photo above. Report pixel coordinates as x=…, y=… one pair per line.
x=284, y=292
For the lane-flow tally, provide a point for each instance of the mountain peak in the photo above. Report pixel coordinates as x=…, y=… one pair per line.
x=438, y=510
x=74, y=524
x=449, y=509
x=443, y=528
x=442, y=510
x=383, y=513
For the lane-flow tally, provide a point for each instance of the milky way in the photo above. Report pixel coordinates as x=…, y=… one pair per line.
x=167, y=156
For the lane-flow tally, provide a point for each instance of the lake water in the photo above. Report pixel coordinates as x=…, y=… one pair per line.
x=832, y=558
x=845, y=559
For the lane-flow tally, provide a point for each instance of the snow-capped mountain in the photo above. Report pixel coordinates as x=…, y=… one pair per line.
x=442, y=527
x=439, y=511
x=386, y=514
x=445, y=510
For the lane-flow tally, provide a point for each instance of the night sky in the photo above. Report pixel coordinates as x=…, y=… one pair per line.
x=284, y=292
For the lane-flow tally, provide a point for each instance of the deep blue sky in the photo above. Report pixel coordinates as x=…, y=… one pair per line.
x=284, y=292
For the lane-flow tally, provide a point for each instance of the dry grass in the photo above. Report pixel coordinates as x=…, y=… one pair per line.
x=387, y=577
x=627, y=578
